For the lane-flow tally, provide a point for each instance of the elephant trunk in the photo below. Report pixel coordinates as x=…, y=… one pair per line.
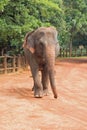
x=50, y=56
x=52, y=82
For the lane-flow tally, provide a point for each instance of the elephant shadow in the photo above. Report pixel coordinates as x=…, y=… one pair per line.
x=17, y=92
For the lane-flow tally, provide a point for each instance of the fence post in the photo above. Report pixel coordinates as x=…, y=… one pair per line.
x=81, y=51
x=5, y=64
x=75, y=51
x=24, y=63
x=66, y=52
x=14, y=61
x=63, y=52
x=86, y=51
x=19, y=62
x=60, y=52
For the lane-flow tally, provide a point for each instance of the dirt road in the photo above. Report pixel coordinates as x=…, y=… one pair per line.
x=19, y=110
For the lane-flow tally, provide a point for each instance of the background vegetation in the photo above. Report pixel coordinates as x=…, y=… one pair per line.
x=17, y=17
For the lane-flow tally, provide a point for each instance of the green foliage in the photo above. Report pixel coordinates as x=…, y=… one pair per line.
x=3, y=3
x=17, y=17
x=76, y=19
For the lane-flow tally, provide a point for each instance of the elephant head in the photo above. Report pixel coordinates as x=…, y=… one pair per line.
x=43, y=44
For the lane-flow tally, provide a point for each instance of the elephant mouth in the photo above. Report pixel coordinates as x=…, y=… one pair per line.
x=42, y=64
x=41, y=61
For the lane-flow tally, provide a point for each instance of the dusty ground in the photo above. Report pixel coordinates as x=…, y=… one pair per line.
x=19, y=110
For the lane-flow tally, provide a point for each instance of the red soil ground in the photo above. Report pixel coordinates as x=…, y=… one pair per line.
x=19, y=110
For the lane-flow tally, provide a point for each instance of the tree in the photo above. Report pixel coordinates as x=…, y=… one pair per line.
x=76, y=19
x=18, y=17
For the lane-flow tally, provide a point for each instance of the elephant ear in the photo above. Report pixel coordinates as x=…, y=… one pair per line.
x=29, y=42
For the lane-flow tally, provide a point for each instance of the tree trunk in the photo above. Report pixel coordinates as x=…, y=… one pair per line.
x=70, y=49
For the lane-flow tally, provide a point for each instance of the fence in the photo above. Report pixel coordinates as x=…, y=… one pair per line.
x=14, y=63
x=65, y=52
x=11, y=63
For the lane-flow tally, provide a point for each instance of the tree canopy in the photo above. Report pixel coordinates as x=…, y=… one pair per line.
x=19, y=17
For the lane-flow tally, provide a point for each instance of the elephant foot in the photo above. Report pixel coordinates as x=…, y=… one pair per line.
x=45, y=92
x=38, y=93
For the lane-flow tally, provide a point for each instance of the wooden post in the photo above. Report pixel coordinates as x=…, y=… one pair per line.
x=86, y=51
x=14, y=61
x=66, y=52
x=19, y=62
x=60, y=52
x=81, y=51
x=63, y=52
x=5, y=64
x=23, y=61
x=75, y=51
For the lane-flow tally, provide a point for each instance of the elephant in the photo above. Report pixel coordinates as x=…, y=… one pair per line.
x=41, y=48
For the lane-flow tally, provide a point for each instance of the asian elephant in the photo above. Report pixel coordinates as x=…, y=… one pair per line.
x=41, y=47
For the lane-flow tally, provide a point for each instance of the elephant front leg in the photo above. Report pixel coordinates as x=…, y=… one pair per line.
x=45, y=81
x=38, y=89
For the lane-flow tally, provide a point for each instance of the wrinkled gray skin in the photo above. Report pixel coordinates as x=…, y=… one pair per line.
x=41, y=47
